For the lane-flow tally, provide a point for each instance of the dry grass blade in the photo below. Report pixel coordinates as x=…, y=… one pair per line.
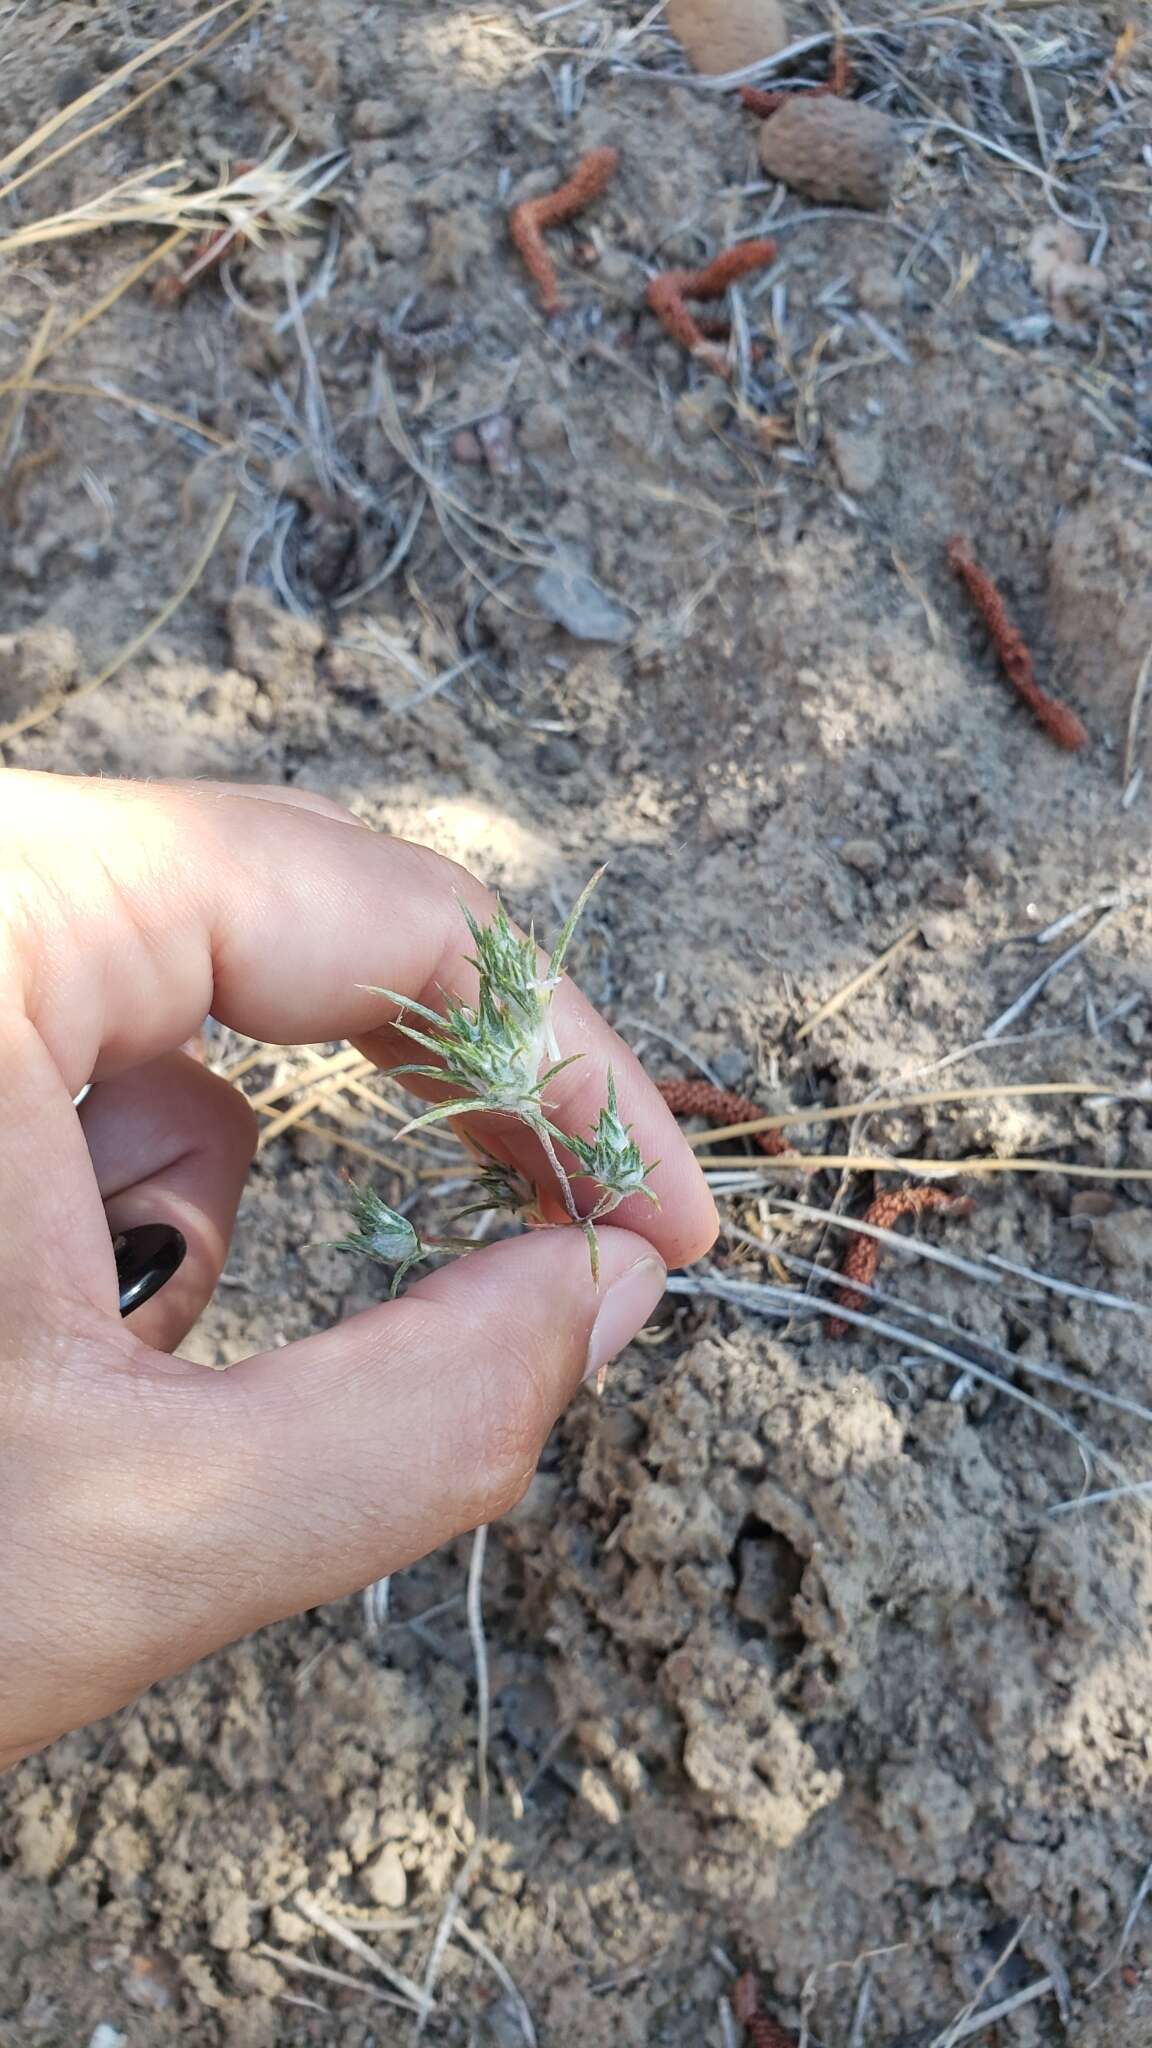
x=503, y=1976
x=249, y=204
x=346, y=1143
x=63, y=115
x=974, y=2023
x=843, y=1112
x=1036, y=988
x=124, y=283
x=37, y=349
x=855, y=1226
x=50, y=705
x=344, y=1061
x=1130, y=1919
x=476, y=1636
x=858, y=983
x=1139, y=692
x=60, y=119
x=285, y=1960
x=1053, y=1375
x=1137, y=1489
x=788, y=1303
x=336, y=1931
x=145, y=408
x=1071, y=1288
x=752, y=1170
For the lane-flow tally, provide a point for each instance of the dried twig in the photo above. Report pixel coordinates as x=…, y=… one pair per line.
x=1025, y=1001
x=349, y=1939
x=783, y=1304
x=30, y=143
x=1059, y=722
x=1139, y=691
x=843, y=1112
x=503, y=1976
x=858, y=983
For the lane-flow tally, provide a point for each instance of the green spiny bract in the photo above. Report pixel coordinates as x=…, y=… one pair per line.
x=382, y=1234
x=610, y=1159
x=501, y=1052
x=499, y=1055
x=502, y=1187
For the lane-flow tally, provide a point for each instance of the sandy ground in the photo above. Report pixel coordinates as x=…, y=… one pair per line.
x=793, y=1667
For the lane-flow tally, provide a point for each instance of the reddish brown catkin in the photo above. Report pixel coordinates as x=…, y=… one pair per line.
x=838, y=81
x=720, y=1106
x=863, y=1254
x=759, y=2030
x=526, y=222
x=667, y=293
x=1058, y=721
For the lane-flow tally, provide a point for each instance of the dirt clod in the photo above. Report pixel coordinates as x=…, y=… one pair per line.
x=836, y=152
x=725, y=35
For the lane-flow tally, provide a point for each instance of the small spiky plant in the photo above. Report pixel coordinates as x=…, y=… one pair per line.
x=498, y=1056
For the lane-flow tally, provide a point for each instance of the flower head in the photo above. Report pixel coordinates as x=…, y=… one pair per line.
x=611, y=1158
x=382, y=1234
x=500, y=1052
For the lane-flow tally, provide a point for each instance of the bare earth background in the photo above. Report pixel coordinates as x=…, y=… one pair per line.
x=791, y=1666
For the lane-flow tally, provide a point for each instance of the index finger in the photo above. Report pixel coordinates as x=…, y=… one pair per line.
x=147, y=908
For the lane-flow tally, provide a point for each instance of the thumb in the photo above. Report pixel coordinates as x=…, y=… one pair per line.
x=297, y=1476
x=426, y=1416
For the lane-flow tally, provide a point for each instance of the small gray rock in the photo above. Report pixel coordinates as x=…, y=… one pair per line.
x=559, y=757
x=372, y=120
x=859, y=459
x=385, y=1880
x=869, y=857
x=730, y=1067
x=1125, y=1239
x=576, y=601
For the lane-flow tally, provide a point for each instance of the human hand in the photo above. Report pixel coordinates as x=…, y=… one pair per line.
x=151, y=1510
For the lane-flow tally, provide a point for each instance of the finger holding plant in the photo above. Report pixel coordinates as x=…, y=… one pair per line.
x=498, y=1056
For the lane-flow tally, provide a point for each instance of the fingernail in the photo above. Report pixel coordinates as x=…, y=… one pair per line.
x=146, y=1258
x=623, y=1312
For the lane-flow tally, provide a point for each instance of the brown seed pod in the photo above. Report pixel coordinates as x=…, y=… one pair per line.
x=725, y=35
x=837, y=152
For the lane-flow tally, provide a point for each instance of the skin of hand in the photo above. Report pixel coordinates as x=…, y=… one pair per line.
x=150, y=1509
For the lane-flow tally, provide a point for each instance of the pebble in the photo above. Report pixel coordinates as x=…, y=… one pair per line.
x=37, y=663
x=869, y=857
x=1125, y=1239
x=699, y=412
x=388, y=213
x=372, y=120
x=543, y=430
x=730, y=1066
x=880, y=290
x=575, y=601
x=559, y=757
x=1093, y=1203
x=386, y=1880
x=859, y=458
x=725, y=35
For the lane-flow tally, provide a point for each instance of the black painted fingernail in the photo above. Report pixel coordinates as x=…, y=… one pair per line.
x=146, y=1258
